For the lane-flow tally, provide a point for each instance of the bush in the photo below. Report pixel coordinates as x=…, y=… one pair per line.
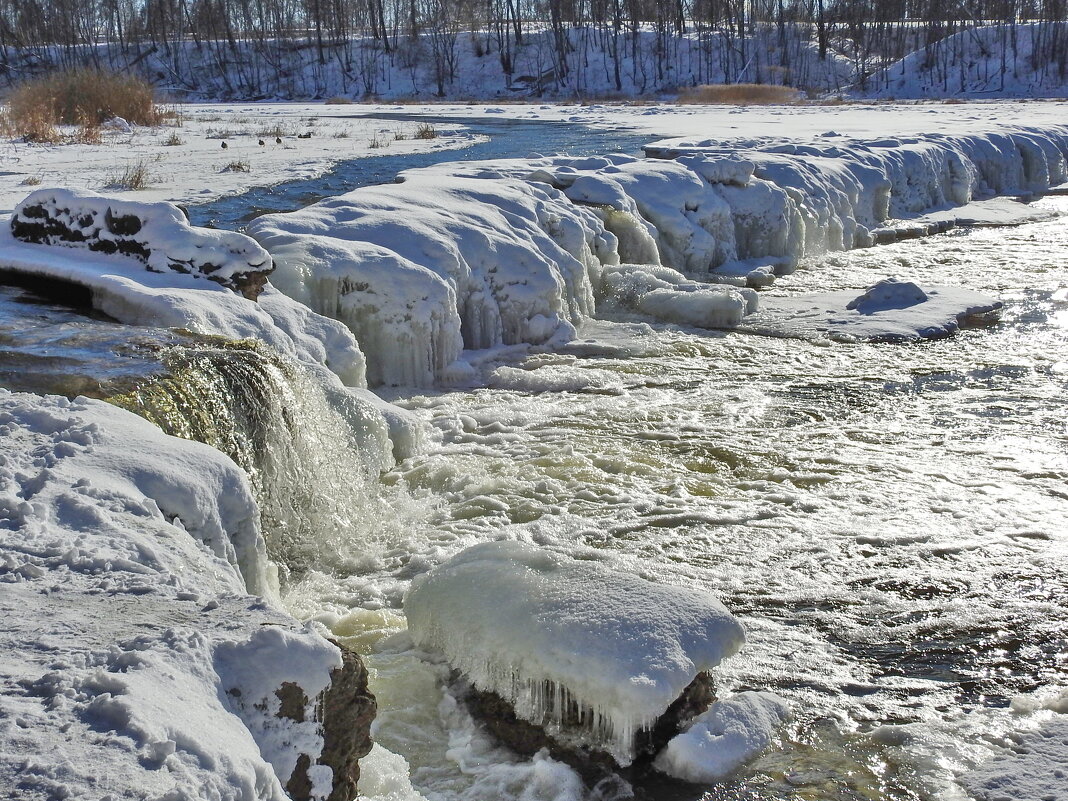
x=134, y=176
x=426, y=131
x=82, y=97
x=740, y=94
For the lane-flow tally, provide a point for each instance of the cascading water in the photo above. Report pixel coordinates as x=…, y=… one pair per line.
x=312, y=459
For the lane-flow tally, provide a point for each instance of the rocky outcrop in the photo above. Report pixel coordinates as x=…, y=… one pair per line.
x=345, y=710
x=498, y=716
x=156, y=234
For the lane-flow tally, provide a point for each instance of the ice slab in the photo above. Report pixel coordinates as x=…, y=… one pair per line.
x=730, y=733
x=890, y=311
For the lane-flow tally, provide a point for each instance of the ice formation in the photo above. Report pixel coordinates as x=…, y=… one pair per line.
x=476, y=255
x=156, y=234
x=546, y=631
x=726, y=736
x=139, y=655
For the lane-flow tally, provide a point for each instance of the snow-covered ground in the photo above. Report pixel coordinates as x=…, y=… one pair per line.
x=185, y=161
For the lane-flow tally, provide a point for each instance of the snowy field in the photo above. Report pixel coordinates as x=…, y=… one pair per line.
x=603, y=446
x=185, y=161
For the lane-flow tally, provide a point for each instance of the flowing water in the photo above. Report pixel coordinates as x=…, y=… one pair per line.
x=889, y=521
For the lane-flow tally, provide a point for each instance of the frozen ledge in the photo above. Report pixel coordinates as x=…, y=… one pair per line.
x=136, y=657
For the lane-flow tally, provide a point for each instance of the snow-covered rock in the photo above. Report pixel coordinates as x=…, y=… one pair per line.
x=544, y=631
x=156, y=234
x=732, y=732
x=133, y=659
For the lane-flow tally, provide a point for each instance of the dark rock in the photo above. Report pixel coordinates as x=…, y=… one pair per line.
x=345, y=710
x=498, y=716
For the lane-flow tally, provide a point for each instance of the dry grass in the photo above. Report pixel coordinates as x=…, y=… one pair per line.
x=133, y=176
x=83, y=97
x=740, y=94
x=426, y=131
x=31, y=180
x=337, y=101
x=242, y=165
x=173, y=140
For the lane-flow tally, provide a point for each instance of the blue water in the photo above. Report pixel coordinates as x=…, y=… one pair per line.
x=508, y=139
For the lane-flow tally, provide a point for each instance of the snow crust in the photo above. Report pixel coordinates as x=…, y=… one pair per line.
x=544, y=630
x=728, y=734
x=132, y=657
x=1030, y=765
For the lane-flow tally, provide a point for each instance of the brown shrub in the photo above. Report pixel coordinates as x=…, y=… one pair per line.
x=83, y=97
x=740, y=94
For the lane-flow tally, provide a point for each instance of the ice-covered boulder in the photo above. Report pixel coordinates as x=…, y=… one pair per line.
x=593, y=656
x=156, y=234
x=729, y=734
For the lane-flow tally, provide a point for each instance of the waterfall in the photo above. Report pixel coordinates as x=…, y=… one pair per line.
x=312, y=456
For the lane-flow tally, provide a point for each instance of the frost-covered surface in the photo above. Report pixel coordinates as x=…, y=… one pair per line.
x=889, y=311
x=543, y=630
x=1033, y=765
x=157, y=234
x=723, y=738
x=186, y=163
x=127, y=623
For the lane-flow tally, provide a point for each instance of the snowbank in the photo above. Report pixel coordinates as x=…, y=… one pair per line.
x=719, y=741
x=154, y=233
x=137, y=663
x=889, y=311
x=544, y=631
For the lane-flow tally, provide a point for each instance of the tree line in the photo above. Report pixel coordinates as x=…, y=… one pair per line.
x=633, y=44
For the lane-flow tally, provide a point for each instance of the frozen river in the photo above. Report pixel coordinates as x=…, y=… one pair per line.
x=888, y=520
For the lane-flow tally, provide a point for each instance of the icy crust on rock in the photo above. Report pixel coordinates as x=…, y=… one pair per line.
x=156, y=234
x=129, y=294
x=423, y=269
x=727, y=735
x=546, y=632
x=136, y=652
x=473, y=256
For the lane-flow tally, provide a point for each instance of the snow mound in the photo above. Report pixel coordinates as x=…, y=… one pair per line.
x=138, y=663
x=156, y=234
x=545, y=631
x=890, y=311
x=730, y=733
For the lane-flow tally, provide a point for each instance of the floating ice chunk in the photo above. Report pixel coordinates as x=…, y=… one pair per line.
x=730, y=733
x=890, y=311
x=546, y=632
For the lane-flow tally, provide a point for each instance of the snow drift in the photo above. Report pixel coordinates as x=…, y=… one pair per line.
x=138, y=653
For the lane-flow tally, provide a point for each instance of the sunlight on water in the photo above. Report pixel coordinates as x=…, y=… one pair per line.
x=888, y=520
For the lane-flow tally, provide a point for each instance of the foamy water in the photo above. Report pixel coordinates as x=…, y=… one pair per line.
x=887, y=520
